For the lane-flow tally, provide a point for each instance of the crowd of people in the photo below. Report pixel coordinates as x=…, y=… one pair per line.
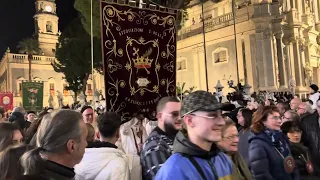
x=199, y=138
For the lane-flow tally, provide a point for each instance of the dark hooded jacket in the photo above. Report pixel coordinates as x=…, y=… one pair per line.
x=311, y=138
x=265, y=161
x=190, y=162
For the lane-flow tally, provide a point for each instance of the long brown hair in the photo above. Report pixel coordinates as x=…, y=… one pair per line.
x=10, y=161
x=6, y=134
x=261, y=116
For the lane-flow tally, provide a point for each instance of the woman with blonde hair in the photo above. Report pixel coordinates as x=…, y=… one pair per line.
x=229, y=144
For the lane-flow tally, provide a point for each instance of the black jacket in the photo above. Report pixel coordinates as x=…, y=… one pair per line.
x=301, y=156
x=54, y=171
x=311, y=138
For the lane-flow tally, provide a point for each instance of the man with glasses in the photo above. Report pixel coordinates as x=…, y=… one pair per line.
x=304, y=109
x=196, y=153
x=310, y=126
x=158, y=147
x=87, y=114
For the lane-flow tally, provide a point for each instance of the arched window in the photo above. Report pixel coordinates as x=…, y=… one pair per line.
x=220, y=55
x=65, y=87
x=49, y=26
x=37, y=79
x=181, y=64
x=89, y=87
x=51, y=84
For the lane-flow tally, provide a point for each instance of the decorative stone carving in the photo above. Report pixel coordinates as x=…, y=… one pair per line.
x=308, y=74
x=267, y=33
x=292, y=85
x=60, y=99
x=50, y=101
x=82, y=98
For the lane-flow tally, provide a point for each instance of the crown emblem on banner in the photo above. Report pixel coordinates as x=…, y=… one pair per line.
x=143, y=62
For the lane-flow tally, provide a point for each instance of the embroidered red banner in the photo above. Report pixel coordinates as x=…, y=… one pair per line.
x=6, y=100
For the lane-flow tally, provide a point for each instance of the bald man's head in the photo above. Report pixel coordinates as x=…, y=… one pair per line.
x=295, y=103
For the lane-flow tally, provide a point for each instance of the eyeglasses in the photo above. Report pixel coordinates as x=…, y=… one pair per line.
x=284, y=117
x=276, y=118
x=207, y=117
x=88, y=115
x=174, y=114
x=301, y=108
x=231, y=137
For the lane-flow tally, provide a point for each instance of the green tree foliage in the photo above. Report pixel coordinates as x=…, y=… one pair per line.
x=73, y=55
x=181, y=91
x=29, y=46
x=83, y=6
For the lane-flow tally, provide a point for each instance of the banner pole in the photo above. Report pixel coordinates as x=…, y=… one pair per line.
x=205, y=47
x=235, y=38
x=92, y=69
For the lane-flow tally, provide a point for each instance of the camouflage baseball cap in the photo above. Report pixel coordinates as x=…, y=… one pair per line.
x=202, y=101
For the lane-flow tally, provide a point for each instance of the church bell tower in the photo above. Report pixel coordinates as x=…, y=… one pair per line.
x=46, y=22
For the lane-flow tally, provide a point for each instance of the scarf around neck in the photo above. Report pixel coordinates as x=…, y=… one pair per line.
x=278, y=141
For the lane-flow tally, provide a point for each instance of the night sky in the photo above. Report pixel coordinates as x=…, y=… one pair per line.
x=16, y=20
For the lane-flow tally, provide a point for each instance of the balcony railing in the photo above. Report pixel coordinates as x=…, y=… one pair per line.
x=212, y=24
x=23, y=58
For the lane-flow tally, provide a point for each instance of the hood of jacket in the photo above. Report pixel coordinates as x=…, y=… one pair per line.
x=183, y=145
x=102, y=160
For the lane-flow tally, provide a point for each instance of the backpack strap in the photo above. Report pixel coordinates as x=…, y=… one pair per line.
x=196, y=165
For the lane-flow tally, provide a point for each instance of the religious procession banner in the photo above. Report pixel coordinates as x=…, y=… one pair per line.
x=6, y=100
x=139, y=54
x=32, y=95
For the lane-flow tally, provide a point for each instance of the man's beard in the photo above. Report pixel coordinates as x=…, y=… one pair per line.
x=169, y=129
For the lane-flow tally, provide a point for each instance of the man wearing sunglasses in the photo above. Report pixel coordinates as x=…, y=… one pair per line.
x=159, y=145
x=196, y=153
x=310, y=126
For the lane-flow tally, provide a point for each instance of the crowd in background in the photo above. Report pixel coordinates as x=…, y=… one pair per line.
x=198, y=138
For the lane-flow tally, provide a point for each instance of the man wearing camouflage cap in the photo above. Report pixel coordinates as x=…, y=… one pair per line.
x=196, y=153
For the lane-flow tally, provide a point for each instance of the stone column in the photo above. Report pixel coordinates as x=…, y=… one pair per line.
x=316, y=4
x=299, y=8
x=265, y=58
x=196, y=69
x=260, y=62
x=281, y=64
x=291, y=59
x=202, y=70
x=298, y=66
x=286, y=5
x=293, y=5
x=287, y=59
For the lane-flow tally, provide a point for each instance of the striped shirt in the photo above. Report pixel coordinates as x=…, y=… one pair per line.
x=156, y=150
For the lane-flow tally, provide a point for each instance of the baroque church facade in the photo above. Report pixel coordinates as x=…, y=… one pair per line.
x=14, y=66
x=277, y=44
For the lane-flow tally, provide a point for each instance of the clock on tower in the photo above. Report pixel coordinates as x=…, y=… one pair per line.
x=46, y=22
